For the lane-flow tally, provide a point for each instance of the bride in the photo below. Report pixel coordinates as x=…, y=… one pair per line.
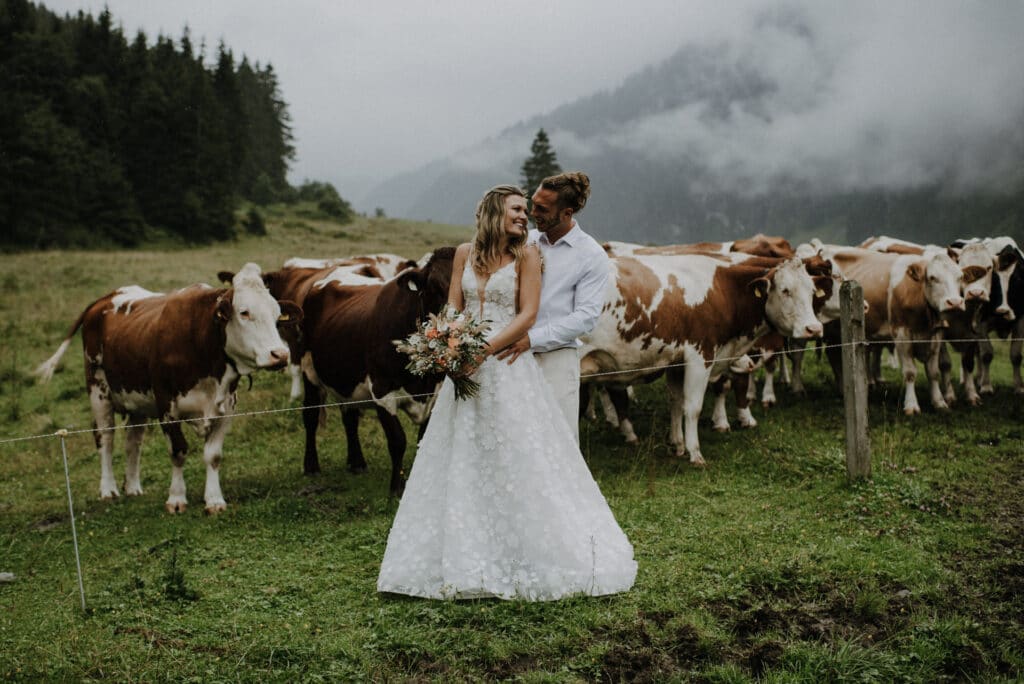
x=500, y=502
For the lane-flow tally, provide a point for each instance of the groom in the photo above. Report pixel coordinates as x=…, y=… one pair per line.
x=576, y=271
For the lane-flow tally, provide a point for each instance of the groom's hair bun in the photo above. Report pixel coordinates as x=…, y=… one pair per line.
x=573, y=188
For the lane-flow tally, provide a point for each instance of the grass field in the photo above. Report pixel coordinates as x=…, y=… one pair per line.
x=766, y=565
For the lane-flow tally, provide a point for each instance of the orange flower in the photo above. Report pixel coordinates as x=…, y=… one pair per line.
x=433, y=334
x=454, y=342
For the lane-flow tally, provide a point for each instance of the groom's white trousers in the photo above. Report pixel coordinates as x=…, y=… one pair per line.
x=561, y=368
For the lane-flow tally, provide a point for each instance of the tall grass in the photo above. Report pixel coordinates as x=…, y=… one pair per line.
x=766, y=565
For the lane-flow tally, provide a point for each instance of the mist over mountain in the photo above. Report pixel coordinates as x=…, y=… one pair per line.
x=801, y=123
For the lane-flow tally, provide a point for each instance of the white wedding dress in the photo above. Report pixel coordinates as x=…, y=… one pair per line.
x=500, y=502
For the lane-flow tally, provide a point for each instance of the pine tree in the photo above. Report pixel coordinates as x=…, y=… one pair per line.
x=541, y=163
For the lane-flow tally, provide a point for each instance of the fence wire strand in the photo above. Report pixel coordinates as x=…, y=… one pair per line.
x=366, y=402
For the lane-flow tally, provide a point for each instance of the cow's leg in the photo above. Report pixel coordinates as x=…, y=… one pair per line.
x=177, y=502
x=350, y=418
x=133, y=451
x=796, y=357
x=212, y=454
x=587, y=402
x=985, y=353
x=934, y=372
x=311, y=401
x=946, y=375
x=619, y=400
x=967, y=364
x=1015, y=356
x=905, y=354
x=768, y=391
x=784, y=375
x=875, y=365
x=295, y=371
x=743, y=414
x=611, y=414
x=396, y=448
x=719, y=417
x=103, y=415
x=686, y=390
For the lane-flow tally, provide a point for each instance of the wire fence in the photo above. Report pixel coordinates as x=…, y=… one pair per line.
x=639, y=372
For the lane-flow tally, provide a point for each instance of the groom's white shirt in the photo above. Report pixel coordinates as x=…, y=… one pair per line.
x=576, y=271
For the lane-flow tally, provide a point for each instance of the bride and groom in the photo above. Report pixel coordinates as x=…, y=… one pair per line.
x=499, y=501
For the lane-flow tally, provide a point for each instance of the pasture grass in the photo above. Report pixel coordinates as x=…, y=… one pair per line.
x=767, y=565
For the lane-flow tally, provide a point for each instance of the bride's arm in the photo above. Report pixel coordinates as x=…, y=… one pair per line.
x=455, y=298
x=529, y=302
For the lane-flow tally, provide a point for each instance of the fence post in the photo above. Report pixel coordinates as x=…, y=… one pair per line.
x=855, y=380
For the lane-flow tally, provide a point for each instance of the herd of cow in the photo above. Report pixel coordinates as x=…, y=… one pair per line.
x=697, y=314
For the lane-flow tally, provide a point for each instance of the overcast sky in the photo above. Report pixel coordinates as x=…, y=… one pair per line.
x=380, y=87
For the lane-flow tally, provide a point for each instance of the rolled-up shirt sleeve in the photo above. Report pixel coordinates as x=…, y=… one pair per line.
x=588, y=300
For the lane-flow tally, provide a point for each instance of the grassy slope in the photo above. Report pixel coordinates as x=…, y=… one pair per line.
x=767, y=564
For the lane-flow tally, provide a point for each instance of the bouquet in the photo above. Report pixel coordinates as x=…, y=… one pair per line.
x=449, y=342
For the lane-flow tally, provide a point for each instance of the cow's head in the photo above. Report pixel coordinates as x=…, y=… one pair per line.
x=250, y=316
x=789, y=292
x=1007, y=258
x=976, y=265
x=429, y=281
x=941, y=278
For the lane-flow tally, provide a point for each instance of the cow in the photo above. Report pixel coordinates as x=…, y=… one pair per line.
x=1004, y=314
x=962, y=329
x=386, y=265
x=908, y=296
x=348, y=335
x=700, y=311
x=294, y=280
x=175, y=357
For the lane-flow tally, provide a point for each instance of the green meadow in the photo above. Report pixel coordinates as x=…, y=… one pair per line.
x=767, y=565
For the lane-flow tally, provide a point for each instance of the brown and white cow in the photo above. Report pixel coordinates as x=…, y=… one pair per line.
x=175, y=357
x=386, y=265
x=348, y=334
x=908, y=295
x=698, y=310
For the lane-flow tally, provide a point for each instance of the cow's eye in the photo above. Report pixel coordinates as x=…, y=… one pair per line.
x=245, y=314
x=785, y=292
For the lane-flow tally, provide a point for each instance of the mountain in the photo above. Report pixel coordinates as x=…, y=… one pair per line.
x=769, y=134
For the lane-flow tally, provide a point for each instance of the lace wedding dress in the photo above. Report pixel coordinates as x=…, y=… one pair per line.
x=499, y=501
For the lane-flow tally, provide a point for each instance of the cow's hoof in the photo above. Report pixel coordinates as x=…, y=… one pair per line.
x=942, y=408
x=133, y=491
x=768, y=404
x=1018, y=391
x=748, y=426
x=631, y=439
x=215, y=508
x=176, y=507
x=110, y=496
x=721, y=428
x=698, y=461
x=912, y=411
x=989, y=390
x=974, y=401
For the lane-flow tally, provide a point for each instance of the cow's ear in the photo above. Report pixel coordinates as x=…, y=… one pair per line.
x=823, y=287
x=411, y=280
x=225, y=276
x=1007, y=256
x=224, y=309
x=916, y=272
x=760, y=287
x=291, y=314
x=953, y=254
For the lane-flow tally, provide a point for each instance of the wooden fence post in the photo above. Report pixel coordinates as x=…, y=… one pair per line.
x=855, y=380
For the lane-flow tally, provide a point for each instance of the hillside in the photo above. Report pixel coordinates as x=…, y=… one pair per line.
x=720, y=140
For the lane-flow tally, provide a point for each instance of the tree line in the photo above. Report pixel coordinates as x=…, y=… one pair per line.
x=109, y=142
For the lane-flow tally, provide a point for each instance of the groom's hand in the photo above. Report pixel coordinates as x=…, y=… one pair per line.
x=512, y=351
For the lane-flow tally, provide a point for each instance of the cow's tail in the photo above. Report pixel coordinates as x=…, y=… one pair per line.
x=46, y=369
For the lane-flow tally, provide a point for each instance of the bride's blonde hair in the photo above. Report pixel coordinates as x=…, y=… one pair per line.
x=490, y=229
